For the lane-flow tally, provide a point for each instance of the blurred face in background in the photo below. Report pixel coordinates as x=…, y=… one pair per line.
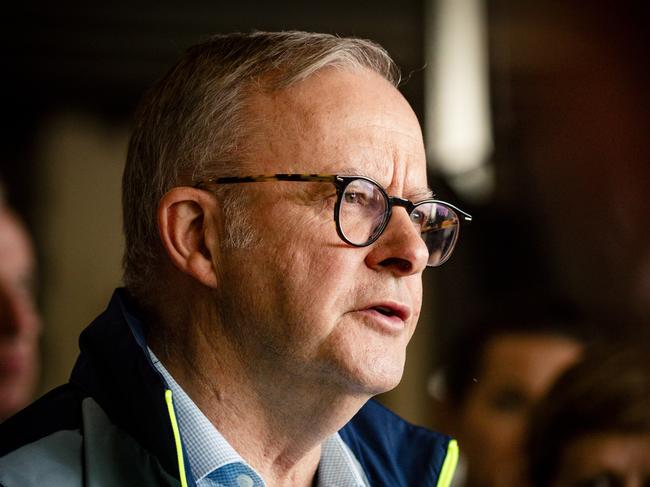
x=514, y=373
x=606, y=460
x=19, y=322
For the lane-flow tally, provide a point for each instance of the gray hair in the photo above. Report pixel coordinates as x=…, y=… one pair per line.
x=193, y=120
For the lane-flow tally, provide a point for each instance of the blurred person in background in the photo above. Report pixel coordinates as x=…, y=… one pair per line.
x=19, y=320
x=592, y=429
x=495, y=371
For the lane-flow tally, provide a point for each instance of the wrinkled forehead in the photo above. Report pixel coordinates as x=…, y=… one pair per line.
x=339, y=121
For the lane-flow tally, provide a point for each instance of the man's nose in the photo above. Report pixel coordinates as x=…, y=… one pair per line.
x=400, y=248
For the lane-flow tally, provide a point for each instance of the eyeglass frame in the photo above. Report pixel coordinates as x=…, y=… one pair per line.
x=340, y=183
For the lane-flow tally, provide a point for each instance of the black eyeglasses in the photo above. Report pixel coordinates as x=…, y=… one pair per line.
x=363, y=210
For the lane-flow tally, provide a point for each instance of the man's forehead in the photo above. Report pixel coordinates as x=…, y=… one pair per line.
x=341, y=122
x=414, y=190
x=330, y=97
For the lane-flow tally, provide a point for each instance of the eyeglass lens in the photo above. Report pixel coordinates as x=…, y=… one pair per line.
x=363, y=213
x=439, y=229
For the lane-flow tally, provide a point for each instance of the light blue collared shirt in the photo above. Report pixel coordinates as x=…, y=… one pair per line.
x=215, y=463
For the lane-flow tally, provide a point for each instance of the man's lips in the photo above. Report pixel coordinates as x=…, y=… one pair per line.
x=391, y=309
x=394, y=313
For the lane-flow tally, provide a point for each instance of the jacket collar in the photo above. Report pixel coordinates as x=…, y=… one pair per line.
x=114, y=368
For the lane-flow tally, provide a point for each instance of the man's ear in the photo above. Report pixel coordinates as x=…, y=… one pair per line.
x=189, y=224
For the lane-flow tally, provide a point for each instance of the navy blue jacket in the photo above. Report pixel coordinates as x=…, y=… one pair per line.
x=114, y=424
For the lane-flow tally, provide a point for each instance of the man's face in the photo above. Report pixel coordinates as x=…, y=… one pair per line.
x=19, y=323
x=515, y=372
x=300, y=300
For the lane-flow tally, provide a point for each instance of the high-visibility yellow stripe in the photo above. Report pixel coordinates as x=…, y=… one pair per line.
x=444, y=480
x=449, y=465
x=177, y=437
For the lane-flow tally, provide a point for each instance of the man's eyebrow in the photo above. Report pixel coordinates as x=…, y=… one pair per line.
x=418, y=194
x=421, y=194
x=353, y=171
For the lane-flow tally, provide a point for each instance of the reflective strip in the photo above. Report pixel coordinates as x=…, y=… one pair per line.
x=177, y=437
x=449, y=465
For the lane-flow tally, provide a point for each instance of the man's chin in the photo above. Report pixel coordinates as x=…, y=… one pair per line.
x=374, y=381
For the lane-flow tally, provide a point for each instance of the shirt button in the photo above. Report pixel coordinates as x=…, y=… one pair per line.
x=244, y=481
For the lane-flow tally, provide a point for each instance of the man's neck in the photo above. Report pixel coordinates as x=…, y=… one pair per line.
x=275, y=422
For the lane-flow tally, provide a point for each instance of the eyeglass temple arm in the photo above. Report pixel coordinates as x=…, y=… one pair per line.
x=274, y=177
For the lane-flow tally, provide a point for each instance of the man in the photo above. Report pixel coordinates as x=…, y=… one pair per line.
x=260, y=313
x=19, y=320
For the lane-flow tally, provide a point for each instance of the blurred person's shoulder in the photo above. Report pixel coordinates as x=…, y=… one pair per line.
x=65, y=438
x=44, y=438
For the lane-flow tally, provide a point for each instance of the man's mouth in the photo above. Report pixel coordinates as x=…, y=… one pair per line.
x=392, y=310
x=384, y=310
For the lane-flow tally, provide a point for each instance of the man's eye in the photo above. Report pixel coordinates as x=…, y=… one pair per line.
x=355, y=198
x=424, y=220
x=417, y=217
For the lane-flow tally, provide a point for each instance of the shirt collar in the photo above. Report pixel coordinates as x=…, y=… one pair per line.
x=208, y=450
